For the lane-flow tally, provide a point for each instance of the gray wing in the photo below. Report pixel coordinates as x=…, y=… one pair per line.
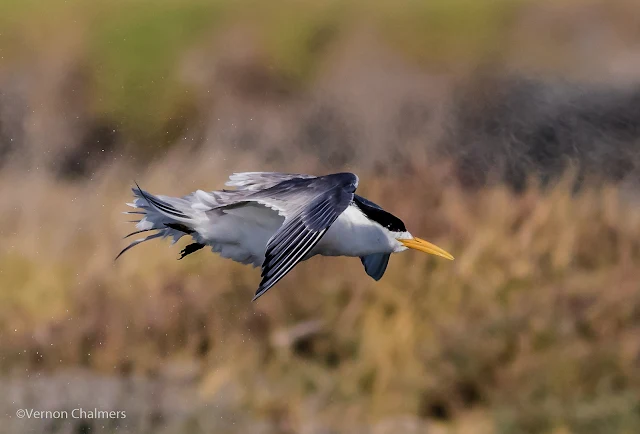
x=310, y=206
x=246, y=184
x=256, y=181
x=376, y=264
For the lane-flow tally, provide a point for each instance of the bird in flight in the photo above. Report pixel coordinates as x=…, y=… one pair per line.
x=275, y=220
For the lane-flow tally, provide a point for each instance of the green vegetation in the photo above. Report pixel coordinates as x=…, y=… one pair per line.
x=133, y=49
x=447, y=33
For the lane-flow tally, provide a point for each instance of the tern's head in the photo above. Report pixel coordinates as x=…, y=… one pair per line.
x=400, y=237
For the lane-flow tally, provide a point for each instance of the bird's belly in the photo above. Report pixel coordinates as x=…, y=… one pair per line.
x=241, y=234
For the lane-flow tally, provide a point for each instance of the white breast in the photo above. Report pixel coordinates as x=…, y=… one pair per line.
x=353, y=234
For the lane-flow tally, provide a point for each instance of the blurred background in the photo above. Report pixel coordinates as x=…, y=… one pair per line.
x=505, y=131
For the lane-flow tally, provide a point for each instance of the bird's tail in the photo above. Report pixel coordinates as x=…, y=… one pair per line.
x=168, y=216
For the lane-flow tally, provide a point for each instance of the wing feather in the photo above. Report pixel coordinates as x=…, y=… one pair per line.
x=308, y=242
x=310, y=205
x=255, y=181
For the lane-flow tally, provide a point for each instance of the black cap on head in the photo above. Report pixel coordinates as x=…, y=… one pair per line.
x=378, y=215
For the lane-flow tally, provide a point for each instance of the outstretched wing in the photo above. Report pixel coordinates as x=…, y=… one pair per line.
x=310, y=206
x=256, y=181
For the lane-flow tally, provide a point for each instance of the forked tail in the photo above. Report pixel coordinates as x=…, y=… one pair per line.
x=169, y=216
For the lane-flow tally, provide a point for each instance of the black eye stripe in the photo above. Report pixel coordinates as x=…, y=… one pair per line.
x=377, y=214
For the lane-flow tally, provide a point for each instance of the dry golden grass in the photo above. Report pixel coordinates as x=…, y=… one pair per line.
x=534, y=327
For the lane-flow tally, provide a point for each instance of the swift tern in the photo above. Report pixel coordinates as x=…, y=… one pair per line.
x=276, y=220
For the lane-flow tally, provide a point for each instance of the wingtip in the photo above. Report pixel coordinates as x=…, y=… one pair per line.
x=259, y=293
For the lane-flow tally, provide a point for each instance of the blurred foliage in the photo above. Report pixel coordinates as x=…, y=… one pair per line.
x=30, y=293
x=133, y=48
x=447, y=33
x=295, y=34
x=534, y=325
